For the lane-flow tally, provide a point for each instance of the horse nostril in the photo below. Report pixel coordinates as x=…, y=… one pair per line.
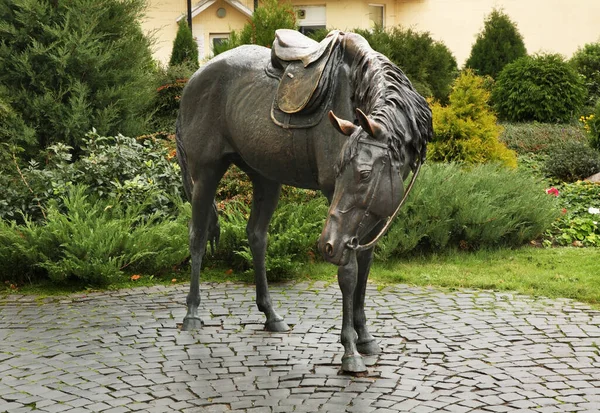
x=329, y=249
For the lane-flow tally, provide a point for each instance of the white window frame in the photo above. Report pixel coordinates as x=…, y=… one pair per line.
x=382, y=6
x=213, y=36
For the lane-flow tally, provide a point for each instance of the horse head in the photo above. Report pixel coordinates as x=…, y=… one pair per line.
x=368, y=188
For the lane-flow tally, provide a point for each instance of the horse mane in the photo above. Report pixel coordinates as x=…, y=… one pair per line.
x=382, y=91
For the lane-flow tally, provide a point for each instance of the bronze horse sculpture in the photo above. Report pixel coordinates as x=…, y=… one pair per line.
x=334, y=116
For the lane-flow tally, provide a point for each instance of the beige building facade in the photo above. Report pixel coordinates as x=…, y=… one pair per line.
x=558, y=26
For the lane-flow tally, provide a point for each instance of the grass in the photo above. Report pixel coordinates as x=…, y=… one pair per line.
x=550, y=272
x=553, y=272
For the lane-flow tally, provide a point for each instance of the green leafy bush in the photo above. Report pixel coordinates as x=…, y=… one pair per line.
x=586, y=61
x=119, y=168
x=260, y=29
x=185, y=48
x=73, y=65
x=579, y=224
x=484, y=206
x=498, y=44
x=466, y=130
x=428, y=63
x=541, y=88
x=572, y=161
x=91, y=241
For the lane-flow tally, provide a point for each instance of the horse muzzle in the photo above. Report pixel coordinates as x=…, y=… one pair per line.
x=335, y=246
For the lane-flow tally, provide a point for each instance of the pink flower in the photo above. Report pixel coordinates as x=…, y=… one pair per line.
x=552, y=191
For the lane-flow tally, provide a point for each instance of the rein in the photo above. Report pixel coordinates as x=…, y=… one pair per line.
x=388, y=223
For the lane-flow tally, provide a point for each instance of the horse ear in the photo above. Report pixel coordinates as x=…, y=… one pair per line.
x=367, y=124
x=343, y=126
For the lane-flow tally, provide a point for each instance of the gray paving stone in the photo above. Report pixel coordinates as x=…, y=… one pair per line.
x=463, y=351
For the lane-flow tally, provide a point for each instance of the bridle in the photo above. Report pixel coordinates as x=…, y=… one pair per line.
x=356, y=246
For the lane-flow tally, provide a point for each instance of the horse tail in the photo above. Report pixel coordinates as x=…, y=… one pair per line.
x=182, y=159
x=214, y=229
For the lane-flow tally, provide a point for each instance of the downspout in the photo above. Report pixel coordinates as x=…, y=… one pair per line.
x=189, y=14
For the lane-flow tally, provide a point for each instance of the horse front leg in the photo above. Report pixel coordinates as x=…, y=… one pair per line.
x=366, y=343
x=264, y=202
x=352, y=361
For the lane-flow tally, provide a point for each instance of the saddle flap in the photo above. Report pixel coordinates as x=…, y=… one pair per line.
x=299, y=82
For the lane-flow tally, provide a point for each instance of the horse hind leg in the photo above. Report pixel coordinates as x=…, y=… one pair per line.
x=264, y=202
x=203, y=216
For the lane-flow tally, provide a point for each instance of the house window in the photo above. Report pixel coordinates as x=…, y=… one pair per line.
x=310, y=18
x=216, y=39
x=377, y=15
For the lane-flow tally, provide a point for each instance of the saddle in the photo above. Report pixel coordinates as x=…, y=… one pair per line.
x=306, y=72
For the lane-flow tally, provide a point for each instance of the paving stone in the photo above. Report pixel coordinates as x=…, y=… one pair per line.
x=441, y=352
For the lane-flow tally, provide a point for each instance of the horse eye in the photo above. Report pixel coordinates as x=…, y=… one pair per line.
x=365, y=174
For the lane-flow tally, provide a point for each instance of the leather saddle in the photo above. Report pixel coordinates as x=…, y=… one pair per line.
x=306, y=70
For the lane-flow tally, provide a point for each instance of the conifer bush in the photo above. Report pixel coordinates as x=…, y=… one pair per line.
x=543, y=88
x=485, y=206
x=466, y=130
x=91, y=241
x=73, y=65
x=185, y=48
x=498, y=44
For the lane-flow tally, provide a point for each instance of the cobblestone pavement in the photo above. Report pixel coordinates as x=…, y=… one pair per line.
x=463, y=351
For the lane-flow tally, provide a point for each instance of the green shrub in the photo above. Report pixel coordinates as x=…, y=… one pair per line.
x=260, y=29
x=185, y=48
x=526, y=138
x=170, y=82
x=293, y=235
x=591, y=124
x=13, y=130
x=428, y=63
x=91, y=241
x=73, y=65
x=484, y=206
x=579, y=223
x=541, y=88
x=118, y=168
x=586, y=61
x=572, y=161
x=466, y=131
x=498, y=44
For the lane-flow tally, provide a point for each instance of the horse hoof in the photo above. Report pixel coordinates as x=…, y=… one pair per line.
x=277, y=326
x=191, y=324
x=353, y=364
x=369, y=348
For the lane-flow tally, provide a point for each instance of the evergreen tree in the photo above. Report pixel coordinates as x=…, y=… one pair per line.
x=70, y=66
x=185, y=48
x=497, y=45
x=428, y=63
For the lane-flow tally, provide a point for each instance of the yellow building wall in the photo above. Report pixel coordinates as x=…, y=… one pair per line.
x=207, y=23
x=557, y=26
x=350, y=14
x=161, y=21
